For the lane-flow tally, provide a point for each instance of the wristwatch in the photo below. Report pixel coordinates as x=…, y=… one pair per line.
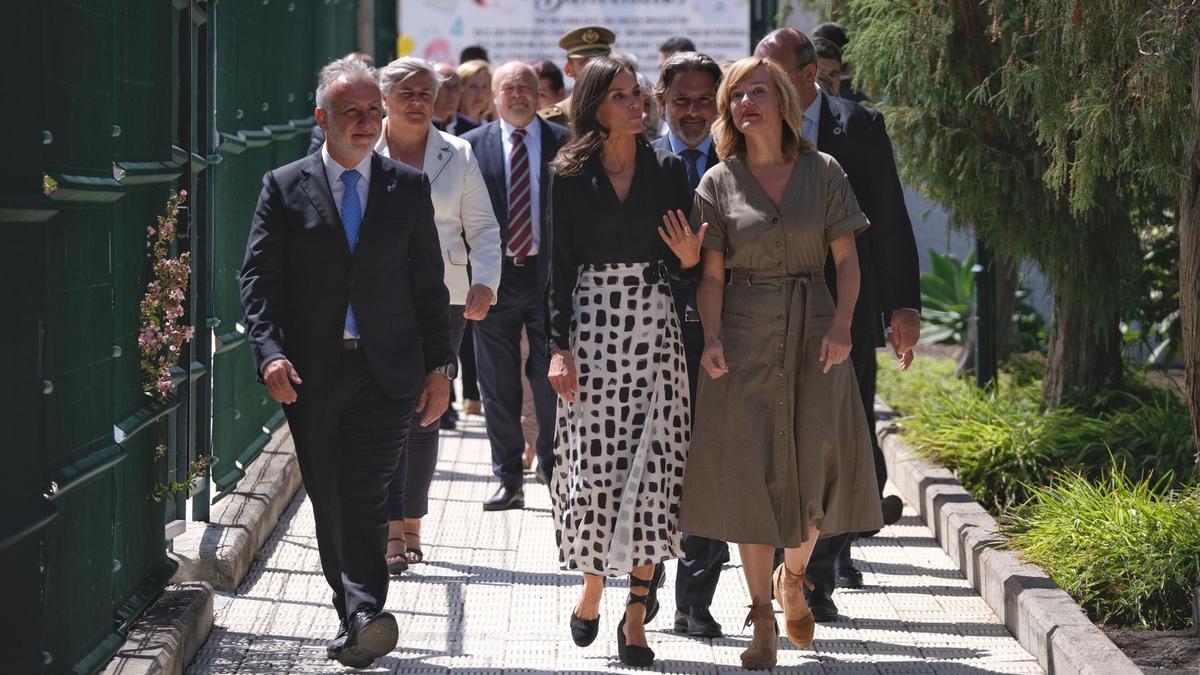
x=450, y=370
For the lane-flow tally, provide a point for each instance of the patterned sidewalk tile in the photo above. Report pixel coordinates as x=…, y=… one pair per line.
x=490, y=599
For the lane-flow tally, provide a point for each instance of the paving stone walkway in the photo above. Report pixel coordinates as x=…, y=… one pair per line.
x=491, y=599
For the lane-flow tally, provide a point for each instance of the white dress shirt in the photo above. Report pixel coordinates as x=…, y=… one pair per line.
x=333, y=172
x=678, y=146
x=533, y=145
x=812, y=119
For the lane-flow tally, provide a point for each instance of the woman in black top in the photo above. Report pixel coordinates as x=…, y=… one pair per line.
x=618, y=232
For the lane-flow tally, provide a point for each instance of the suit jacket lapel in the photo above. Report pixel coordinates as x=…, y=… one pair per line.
x=713, y=159
x=438, y=154
x=491, y=161
x=316, y=185
x=829, y=130
x=381, y=181
x=549, y=150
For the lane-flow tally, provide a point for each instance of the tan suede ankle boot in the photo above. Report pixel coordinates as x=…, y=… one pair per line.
x=764, y=646
x=798, y=622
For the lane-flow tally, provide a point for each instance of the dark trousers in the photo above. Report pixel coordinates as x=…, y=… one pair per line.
x=832, y=553
x=521, y=304
x=699, y=569
x=408, y=491
x=466, y=358
x=349, y=437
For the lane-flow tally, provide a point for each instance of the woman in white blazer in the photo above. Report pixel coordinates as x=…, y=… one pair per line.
x=470, y=236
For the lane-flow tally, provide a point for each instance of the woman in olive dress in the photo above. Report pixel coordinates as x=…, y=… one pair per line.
x=781, y=454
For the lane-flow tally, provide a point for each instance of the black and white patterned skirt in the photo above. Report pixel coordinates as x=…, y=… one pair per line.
x=621, y=446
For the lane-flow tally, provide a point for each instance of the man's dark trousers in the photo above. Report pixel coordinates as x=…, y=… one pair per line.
x=520, y=304
x=349, y=439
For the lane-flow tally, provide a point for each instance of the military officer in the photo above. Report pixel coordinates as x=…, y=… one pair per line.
x=581, y=45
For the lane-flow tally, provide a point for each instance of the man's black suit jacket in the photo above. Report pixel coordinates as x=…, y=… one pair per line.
x=489, y=151
x=856, y=137
x=685, y=289
x=299, y=275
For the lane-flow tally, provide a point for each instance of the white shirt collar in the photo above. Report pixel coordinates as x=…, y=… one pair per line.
x=333, y=170
x=533, y=130
x=678, y=146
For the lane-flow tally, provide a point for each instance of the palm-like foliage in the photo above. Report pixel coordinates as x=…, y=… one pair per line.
x=947, y=297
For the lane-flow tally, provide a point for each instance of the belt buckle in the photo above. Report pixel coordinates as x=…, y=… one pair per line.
x=518, y=261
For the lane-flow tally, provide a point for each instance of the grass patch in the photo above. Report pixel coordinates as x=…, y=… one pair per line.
x=1105, y=500
x=1127, y=551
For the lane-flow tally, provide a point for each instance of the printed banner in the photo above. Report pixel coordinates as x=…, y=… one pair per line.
x=528, y=30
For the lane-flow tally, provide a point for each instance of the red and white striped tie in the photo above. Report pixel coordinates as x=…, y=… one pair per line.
x=520, y=200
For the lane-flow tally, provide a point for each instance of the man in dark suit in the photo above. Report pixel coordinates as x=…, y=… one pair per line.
x=348, y=319
x=687, y=94
x=890, y=291
x=514, y=153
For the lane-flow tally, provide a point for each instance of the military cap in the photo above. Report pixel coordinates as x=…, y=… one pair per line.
x=588, y=41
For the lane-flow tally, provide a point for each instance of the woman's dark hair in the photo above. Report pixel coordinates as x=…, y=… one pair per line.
x=587, y=133
x=547, y=70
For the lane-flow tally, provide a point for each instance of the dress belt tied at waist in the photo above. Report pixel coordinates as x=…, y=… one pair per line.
x=813, y=275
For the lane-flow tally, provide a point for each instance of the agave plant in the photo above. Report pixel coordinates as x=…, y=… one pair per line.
x=947, y=296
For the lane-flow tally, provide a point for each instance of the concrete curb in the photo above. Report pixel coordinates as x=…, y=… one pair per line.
x=1043, y=618
x=221, y=551
x=166, y=638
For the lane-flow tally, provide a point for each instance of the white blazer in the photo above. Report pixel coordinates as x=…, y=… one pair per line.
x=462, y=210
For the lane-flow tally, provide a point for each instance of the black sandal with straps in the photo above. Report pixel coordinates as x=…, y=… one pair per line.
x=400, y=565
x=635, y=655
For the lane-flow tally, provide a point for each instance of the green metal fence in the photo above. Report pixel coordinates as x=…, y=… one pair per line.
x=120, y=103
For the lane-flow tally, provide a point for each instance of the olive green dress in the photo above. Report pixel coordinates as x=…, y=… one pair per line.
x=778, y=447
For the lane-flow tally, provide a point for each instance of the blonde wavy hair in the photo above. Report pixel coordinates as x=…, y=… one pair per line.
x=731, y=143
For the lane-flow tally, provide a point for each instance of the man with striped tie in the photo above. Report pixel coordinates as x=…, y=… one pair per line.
x=514, y=153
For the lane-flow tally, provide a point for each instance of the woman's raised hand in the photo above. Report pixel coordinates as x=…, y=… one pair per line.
x=562, y=375
x=680, y=238
x=713, y=359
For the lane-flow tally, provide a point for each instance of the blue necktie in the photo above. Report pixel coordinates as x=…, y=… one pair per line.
x=351, y=220
x=691, y=159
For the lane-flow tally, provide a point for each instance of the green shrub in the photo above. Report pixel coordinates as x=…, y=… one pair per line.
x=1128, y=551
x=947, y=295
x=999, y=443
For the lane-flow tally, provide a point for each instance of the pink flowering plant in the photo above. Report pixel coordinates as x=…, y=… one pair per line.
x=162, y=334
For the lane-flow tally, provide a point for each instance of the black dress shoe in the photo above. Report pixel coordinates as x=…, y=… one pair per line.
x=822, y=607
x=370, y=634
x=506, y=498
x=334, y=648
x=697, y=622
x=893, y=508
x=849, y=577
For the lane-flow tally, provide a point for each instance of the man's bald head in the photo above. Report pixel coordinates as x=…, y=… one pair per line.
x=792, y=50
x=514, y=88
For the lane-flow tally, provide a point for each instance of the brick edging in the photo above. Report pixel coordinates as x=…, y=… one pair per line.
x=222, y=550
x=166, y=638
x=1043, y=618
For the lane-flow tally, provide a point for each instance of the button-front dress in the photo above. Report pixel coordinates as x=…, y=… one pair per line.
x=778, y=446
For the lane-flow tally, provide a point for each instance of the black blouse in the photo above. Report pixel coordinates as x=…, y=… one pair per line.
x=590, y=225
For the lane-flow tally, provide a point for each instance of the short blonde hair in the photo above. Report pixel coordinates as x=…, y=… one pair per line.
x=472, y=68
x=731, y=143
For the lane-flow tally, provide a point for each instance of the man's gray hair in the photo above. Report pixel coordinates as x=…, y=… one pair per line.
x=405, y=67
x=348, y=69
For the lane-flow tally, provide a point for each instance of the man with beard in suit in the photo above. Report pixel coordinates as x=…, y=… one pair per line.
x=687, y=94
x=887, y=252
x=514, y=154
x=348, y=319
